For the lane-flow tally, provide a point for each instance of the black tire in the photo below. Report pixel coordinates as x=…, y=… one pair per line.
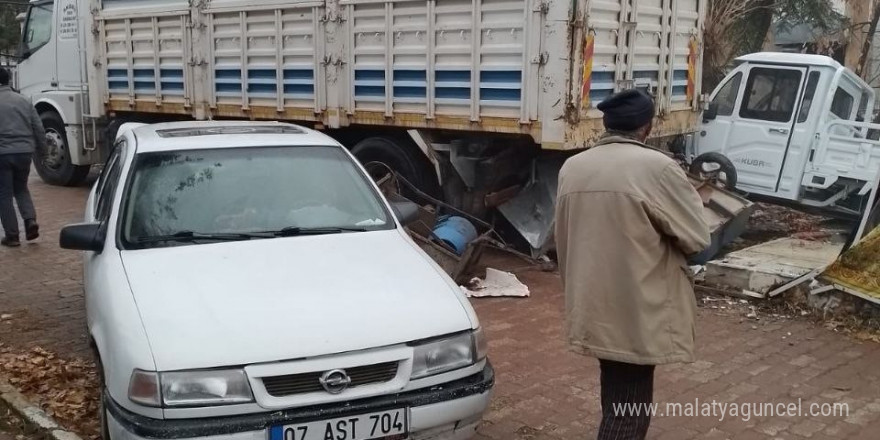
x=378, y=154
x=53, y=164
x=724, y=174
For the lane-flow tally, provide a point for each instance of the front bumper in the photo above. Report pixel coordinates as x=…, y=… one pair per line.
x=450, y=411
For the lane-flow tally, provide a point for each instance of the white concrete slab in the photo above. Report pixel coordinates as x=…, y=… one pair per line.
x=762, y=267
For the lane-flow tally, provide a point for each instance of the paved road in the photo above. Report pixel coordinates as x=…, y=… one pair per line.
x=543, y=392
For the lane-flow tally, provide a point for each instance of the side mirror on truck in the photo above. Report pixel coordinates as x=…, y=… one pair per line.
x=711, y=112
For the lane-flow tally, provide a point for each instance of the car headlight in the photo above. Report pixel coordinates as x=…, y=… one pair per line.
x=448, y=354
x=190, y=388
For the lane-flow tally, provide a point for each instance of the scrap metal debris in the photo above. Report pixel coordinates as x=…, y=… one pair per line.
x=497, y=283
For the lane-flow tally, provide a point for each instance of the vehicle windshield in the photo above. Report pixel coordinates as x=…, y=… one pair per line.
x=257, y=191
x=38, y=29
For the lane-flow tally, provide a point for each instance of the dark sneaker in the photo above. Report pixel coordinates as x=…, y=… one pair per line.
x=31, y=230
x=10, y=241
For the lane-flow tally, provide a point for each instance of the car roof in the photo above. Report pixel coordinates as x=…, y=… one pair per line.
x=199, y=135
x=790, y=58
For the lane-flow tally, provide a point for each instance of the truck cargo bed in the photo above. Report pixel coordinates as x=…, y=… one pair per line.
x=529, y=67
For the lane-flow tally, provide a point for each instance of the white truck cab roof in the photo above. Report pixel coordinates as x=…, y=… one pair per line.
x=795, y=59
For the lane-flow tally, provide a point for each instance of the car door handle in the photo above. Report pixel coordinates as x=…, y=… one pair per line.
x=779, y=130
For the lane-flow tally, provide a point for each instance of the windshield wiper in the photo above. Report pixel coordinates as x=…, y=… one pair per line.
x=190, y=236
x=292, y=231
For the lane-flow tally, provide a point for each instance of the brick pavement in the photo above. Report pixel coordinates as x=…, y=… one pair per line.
x=40, y=284
x=543, y=391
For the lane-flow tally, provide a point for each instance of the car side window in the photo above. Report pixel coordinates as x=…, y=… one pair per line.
x=842, y=105
x=771, y=94
x=107, y=182
x=726, y=97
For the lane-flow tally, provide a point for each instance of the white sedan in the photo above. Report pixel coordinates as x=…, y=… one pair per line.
x=248, y=281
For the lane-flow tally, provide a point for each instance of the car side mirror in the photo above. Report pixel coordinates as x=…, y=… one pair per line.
x=82, y=237
x=405, y=211
x=711, y=112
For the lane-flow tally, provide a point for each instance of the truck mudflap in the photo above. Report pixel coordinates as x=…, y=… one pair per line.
x=532, y=211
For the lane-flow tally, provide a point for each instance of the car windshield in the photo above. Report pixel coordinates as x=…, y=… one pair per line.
x=245, y=193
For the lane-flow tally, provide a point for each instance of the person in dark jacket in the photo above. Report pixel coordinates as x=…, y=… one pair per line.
x=21, y=132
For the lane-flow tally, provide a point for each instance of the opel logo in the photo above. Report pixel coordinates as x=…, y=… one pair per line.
x=335, y=381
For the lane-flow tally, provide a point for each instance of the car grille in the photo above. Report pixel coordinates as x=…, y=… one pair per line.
x=292, y=384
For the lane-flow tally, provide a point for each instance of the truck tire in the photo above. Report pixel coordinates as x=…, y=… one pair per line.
x=715, y=167
x=53, y=164
x=378, y=154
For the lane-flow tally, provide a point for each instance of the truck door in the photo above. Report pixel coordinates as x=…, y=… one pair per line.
x=762, y=127
x=68, y=50
x=715, y=132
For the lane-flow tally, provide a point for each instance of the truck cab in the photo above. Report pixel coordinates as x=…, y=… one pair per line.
x=52, y=74
x=796, y=130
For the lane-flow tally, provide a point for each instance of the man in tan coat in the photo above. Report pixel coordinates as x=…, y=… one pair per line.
x=627, y=218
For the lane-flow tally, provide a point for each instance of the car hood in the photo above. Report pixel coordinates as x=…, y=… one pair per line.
x=237, y=303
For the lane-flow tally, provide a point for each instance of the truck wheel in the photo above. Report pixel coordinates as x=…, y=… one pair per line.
x=53, y=164
x=715, y=167
x=378, y=154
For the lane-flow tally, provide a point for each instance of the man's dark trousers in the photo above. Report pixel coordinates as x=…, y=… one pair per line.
x=627, y=391
x=14, y=171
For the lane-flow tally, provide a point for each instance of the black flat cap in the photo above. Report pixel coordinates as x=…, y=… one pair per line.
x=628, y=110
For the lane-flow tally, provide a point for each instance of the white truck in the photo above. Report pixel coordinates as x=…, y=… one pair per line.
x=796, y=129
x=467, y=99
x=476, y=102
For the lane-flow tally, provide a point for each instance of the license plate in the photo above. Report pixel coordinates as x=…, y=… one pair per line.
x=361, y=427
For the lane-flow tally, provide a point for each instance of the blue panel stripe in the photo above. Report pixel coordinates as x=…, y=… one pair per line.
x=453, y=93
x=410, y=92
x=603, y=77
x=143, y=85
x=369, y=91
x=261, y=74
x=171, y=86
x=299, y=88
x=679, y=90
x=228, y=87
x=143, y=73
x=680, y=75
x=228, y=73
x=369, y=74
x=452, y=75
x=171, y=73
x=500, y=94
x=117, y=72
x=116, y=85
x=299, y=74
x=500, y=76
x=646, y=74
x=410, y=75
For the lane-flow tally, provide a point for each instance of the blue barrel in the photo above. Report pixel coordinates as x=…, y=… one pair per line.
x=456, y=232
